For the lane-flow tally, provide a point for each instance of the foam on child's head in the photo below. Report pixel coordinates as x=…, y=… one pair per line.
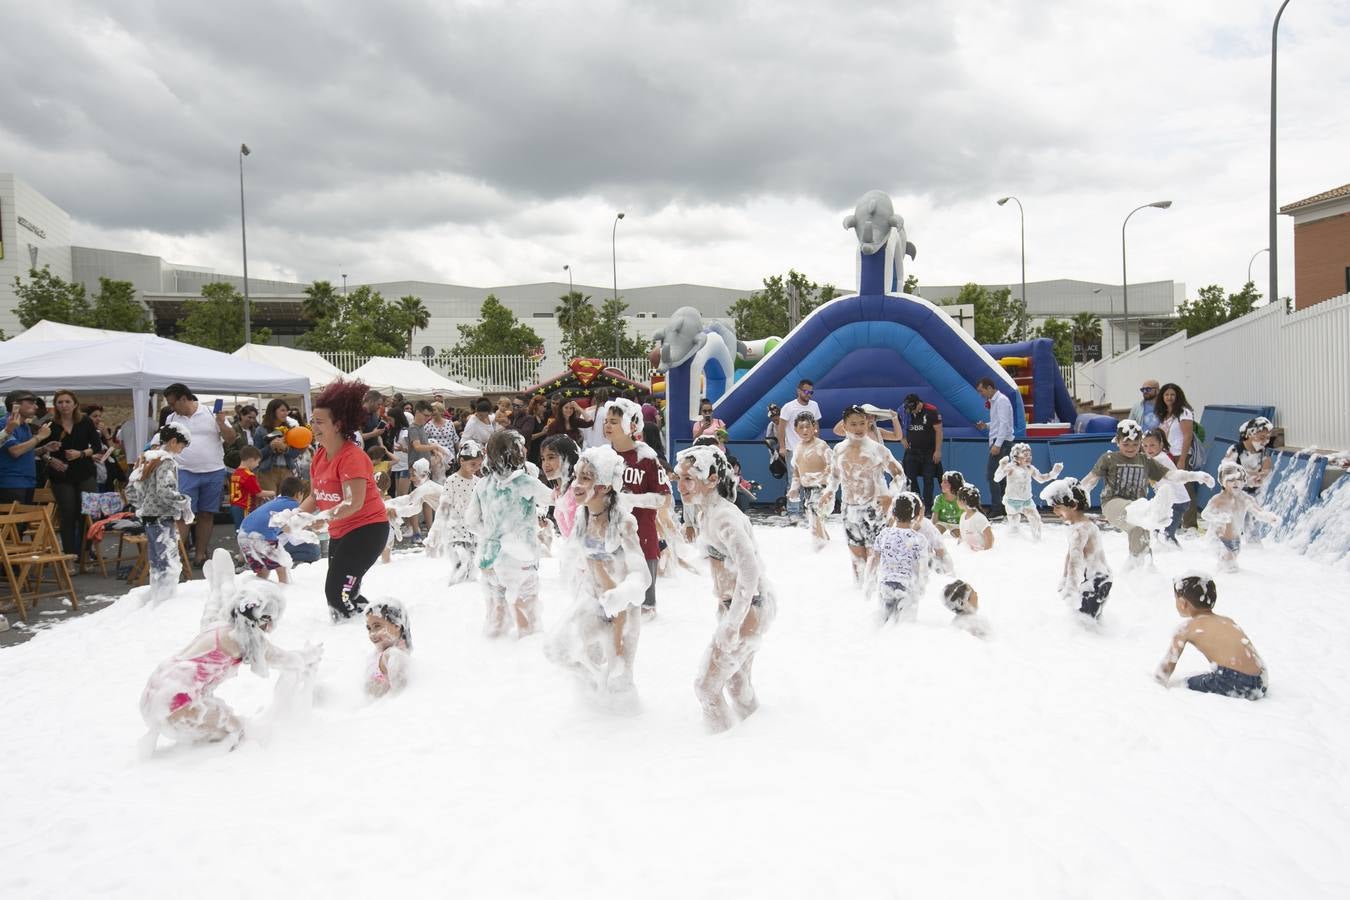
x=1253, y=426
x=956, y=596
x=422, y=467
x=630, y=414
x=470, y=449
x=1196, y=588
x=704, y=460
x=1128, y=430
x=904, y=508
x=954, y=479
x=505, y=452
x=392, y=610
x=1232, y=473
x=1019, y=450
x=805, y=417
x=1064, y=492
x=969, y=494
x=607, y=466
x=914, y=499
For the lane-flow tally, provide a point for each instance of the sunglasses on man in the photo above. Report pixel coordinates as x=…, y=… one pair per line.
x=1148, y=389
x=807, y=391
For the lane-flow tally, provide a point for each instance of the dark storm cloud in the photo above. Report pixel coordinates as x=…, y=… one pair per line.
x=370, y=116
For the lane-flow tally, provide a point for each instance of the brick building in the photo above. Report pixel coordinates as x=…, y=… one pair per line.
x=1321, y=246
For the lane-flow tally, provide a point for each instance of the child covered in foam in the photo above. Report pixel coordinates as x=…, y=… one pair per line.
x=900, y=562
x=1086, y=582
x=964, y=601
x=389, y=630
x=602, y=556
x=745, y=601
x=450, y=536
x=1238, y=669
x=1017, y=470
x=812, y=476
x=1227, y=512
x=179, y=699
x=558, y=457
x=504, y=512
x=942, y=559
x=153, y=491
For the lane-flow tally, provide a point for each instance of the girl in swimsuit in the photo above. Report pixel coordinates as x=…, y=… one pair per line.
x=179, y=700
x=598, y=639
x=388, y=628
x=745, y=607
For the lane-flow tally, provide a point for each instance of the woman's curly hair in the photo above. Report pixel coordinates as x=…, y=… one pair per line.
x=343, y=400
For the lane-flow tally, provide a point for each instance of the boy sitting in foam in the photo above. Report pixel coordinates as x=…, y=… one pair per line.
x=1227, y=512
x=1017, y=470
x=976, y=532
x=963, y=600
x=1238, y=669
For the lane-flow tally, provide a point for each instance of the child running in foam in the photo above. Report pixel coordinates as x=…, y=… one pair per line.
x=179, y=700
x=900, y=561
x=946, y=508
x=860, y=464
x=153, y=491
x=1017, y=469
x=603, y=557
x=963, y=600
x=450, y=537
x=1087, y=576
x=812, y=476
x=504, y=513
x=745, y=603
x=1227, y=512
x=389, y=630
x=976, y=532
x=1238, y=669
x=622, y=428
x=1166, y=491
x=558, y=457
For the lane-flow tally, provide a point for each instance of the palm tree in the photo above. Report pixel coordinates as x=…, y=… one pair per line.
x=574, y=314
x=320, y=300
x=415, y=315
x=1087, y=330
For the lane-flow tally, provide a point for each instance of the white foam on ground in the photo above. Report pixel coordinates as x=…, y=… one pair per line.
x=917, y=761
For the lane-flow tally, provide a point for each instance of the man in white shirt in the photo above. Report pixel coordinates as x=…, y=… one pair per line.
x=480, y=425
x=1000, y=428
x=201, y=465
x=787, y=432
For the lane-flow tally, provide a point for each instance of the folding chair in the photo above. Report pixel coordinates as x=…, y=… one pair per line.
x=25, y=559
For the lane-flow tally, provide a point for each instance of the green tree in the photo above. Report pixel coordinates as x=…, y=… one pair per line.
x=217, y=320
x=415, y=316
x=911, y=284
x=497, y=332
x=576, y=319
x=1087, y=333
x=116, y=309
x=765, y=313
x=361, y=322
x=50, y=297
x=1212, y=307
x=597, y=340
x=999, y=316
x=1061, y=332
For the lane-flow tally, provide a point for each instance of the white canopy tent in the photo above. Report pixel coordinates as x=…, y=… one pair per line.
x=318, y=370
x=412, y=379
x=142, y=364
x=59, y=331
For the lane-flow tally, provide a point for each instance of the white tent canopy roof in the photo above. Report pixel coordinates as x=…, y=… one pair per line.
x=411, y=378
x=140, y=363
x=318, y=370
x=59, y=331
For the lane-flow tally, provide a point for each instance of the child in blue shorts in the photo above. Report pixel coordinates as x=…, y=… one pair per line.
x=260, y=542
x=1017, y=470
x=1238, y=669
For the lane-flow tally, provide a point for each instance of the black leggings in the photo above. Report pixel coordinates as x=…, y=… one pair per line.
x=349, y=558
x=68, y=511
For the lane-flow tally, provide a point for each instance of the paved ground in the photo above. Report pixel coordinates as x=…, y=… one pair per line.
x=95, y=593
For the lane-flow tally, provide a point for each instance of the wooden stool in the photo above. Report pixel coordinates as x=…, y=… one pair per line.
x=140, y=569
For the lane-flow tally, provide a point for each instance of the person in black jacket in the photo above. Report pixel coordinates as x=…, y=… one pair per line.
x=73, y=445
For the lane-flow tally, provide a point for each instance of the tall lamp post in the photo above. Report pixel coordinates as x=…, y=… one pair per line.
x=614, y=260
x=1274, y=246
x=1252, y=260
x=243, y=234
x=1124, y=278
x=1022, y=228
x=344, y=284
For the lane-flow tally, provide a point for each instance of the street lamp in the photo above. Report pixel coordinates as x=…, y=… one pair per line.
x=1274, y=247
x=614, y=260
x=344, y=284
x=1252, y=260
x=243, y=233
x=1124, y=278
x=1022, y=227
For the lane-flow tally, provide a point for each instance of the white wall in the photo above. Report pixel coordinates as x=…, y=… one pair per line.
x=18, y=198
x=1297, y=362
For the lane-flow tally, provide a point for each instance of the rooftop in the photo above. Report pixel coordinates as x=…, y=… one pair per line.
x=1333, y=194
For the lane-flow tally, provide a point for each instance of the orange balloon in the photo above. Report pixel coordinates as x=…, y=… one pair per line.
x=299, y=437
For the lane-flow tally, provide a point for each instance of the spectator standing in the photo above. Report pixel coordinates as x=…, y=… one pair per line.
x=1145, y=411
x=652, y=431
x=440, y=430
x=528, y=422
x=593, y=432
x=922, y=440
x=18, y=447
x=245, y=426
x=201, y=465
x=1000, y=428
x=787, y=432
x=73, y=445
x=567, y=419
x=480, y=425
x=278, y=457
x=374, y=427
x=1177, y=421
x=706, y=423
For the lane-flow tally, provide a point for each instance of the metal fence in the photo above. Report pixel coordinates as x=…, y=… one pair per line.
x=1293, y=361
x=497, y=373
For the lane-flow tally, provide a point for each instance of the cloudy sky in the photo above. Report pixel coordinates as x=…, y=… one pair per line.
x=484, y=143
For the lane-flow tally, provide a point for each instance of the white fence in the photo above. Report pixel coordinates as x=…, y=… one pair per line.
x=1296, y=362
x=495, y=374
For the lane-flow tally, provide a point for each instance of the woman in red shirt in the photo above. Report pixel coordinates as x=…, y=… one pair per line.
x=344, y=487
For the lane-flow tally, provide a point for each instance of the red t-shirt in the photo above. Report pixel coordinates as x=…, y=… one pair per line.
x=645, y=476
x=327, y=476
x=244, y=488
